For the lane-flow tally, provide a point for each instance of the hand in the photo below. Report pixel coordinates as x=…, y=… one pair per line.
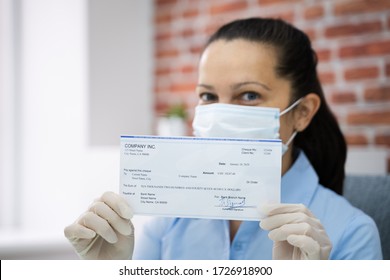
x=296, y=233
x=104, y=231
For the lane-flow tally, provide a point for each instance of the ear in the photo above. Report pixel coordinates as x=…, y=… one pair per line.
x=306, y=110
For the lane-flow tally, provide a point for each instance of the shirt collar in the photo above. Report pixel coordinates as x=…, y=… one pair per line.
x=300, y=182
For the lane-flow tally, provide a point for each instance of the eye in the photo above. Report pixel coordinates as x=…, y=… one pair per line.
x=207, y=97
x=250, y=96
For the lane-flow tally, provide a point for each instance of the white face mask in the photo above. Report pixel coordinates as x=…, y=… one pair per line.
x=227, y=120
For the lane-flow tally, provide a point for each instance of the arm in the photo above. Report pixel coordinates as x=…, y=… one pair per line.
x=360, y=241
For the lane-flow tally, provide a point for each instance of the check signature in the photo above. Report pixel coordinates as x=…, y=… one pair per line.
x=231, y=202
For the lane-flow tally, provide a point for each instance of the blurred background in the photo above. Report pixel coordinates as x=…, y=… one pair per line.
x=77, y=74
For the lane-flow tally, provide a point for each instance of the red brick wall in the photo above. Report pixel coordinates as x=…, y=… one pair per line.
x=351, y=37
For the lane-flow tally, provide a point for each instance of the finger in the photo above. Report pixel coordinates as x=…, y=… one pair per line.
x=309, y=247
x=104, y=211
x=279, y=220
x=99, y=225
x=283, y=208
x=76, y=231
x=117, y=203
x=282, y=233
x=282, y=250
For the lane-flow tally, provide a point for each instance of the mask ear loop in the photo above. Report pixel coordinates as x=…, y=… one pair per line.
x=291, y=138
x=288, y=109
x=287, y=145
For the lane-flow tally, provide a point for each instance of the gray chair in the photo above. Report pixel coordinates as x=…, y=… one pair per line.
x=372, y=195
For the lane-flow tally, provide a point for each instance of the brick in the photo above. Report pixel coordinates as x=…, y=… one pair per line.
x=377, y=94
x=188, y=32
x=162, y=71
x=212, y=27
x=353, y=29
x=367, y=49
x=273, y=2
x=327, y=77
x=196, y=49
x=228, y=7
x=182, y=87
x=343, y=97
x=383, y=139
x=369, y=118
x=188, y=69
x=167, y=53
x=314, y=12
x=190, y=13
x=160, y=108
x=163, y=36
x=323, y=55
x=360, y=6
x=361, y=73
x=356, y=139
x=162, y=18
x=165, y=2
x=388, y=69
x=288, y=16
x=311, y=33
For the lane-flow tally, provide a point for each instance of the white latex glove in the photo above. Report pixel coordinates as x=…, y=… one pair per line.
x=296, y=233
x=104, y=231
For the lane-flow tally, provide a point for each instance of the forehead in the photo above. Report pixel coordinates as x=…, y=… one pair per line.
x=239, y=57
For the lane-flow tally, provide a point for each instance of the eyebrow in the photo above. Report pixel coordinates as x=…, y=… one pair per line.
x=236, y=86
x=206, y=86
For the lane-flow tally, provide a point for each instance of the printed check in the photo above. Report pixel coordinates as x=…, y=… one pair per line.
x=191, y=177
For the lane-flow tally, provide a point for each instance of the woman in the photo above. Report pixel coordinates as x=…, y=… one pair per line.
x=260, y=63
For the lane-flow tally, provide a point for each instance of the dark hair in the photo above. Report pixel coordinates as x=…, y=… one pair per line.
x=322, y=141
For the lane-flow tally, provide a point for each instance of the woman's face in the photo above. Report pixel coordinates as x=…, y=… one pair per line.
x=244, y=73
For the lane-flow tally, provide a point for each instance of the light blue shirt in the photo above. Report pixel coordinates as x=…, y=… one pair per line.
x=354, y=235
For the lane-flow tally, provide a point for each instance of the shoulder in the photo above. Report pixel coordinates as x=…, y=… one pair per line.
x=353, y=233
x=334, y=208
